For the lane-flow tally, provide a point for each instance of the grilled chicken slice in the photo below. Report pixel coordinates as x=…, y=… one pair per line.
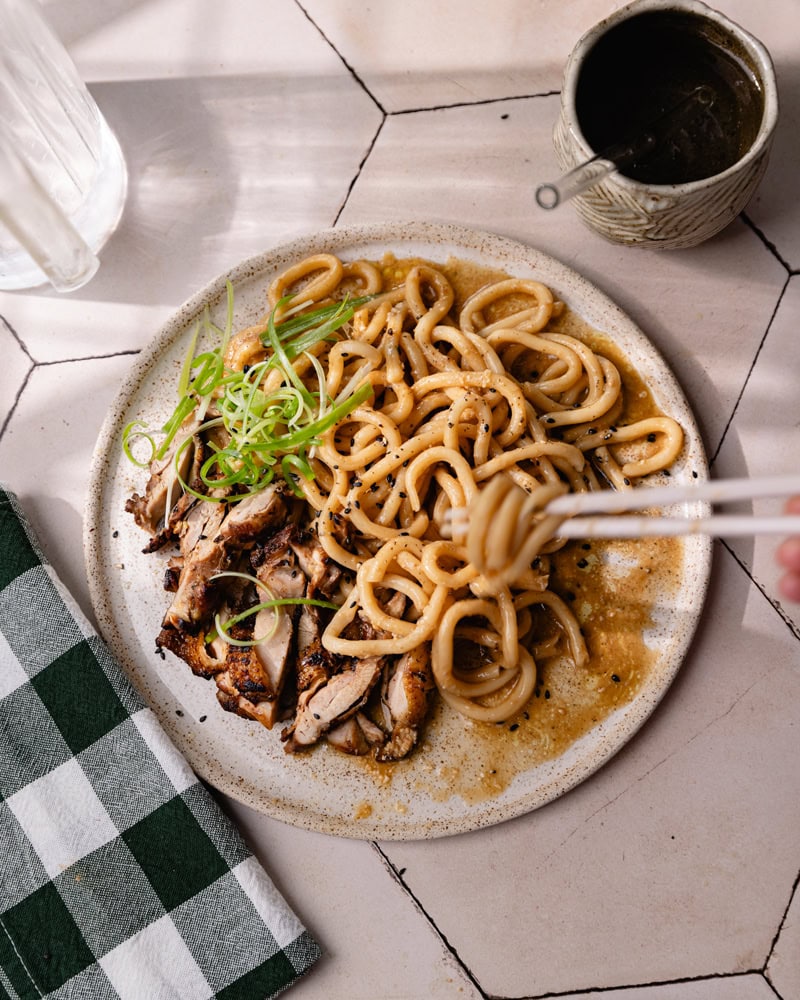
x=357, y=736
x=244, y=687
x=206, y=660
x=332, y=703
x=322, y=573
x=150, y=509
x=220, y=539
x=406, y=699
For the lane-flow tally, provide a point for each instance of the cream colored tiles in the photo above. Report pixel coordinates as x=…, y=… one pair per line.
x=139, y=39
x=675, y=861
x=764, y=437
x=46, y=452
x=376, y=941
x=783, y=969
x=481, y=165
x=417, y=54
x=13, y=372
x=747, y=987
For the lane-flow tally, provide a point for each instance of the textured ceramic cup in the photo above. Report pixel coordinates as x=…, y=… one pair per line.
x=667, y=216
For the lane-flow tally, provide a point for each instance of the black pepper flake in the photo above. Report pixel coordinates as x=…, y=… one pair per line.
x=615, y=678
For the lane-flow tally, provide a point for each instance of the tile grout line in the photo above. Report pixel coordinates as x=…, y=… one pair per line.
x=359, y=169
x=591, y=990
x=753, y=363
x=478, y=102
x=345, y=63
x=397, y=874
x=767, y=243
x=792, y=894
x=17, y=398
x=776, y=605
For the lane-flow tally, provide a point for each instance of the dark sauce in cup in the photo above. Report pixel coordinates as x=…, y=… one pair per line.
x=640, y=77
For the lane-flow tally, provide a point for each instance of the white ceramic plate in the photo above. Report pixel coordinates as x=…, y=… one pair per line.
x=326, y=790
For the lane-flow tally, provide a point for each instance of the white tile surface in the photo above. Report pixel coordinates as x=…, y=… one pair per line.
x=345, y=890
x=783, y=968
x=669, y=874
x=752, y=987
x=685, y=828
x=755, y=445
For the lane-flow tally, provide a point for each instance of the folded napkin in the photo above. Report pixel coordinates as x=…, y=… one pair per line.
x=119, y=875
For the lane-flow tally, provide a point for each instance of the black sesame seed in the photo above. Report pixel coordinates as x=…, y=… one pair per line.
x=615, y=678
x=514, y=728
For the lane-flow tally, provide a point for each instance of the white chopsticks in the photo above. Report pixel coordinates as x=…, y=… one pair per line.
x=597, y=514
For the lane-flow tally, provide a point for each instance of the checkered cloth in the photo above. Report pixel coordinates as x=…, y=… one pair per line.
x=119, y=875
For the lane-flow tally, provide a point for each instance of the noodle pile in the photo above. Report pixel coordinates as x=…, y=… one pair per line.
x=483, y=408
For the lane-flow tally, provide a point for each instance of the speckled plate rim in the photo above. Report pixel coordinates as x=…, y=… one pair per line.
x=230, y=753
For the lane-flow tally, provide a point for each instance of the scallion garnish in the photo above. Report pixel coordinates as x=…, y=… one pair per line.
x=269, y=433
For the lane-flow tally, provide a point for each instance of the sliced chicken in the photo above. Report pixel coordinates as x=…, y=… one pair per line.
x=406, y=699
x=220, y=539
x=205, y=659
x=150, y=509
x=332, y=703
x=357, y=735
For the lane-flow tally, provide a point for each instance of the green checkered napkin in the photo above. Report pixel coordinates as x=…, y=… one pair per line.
x=119, y=875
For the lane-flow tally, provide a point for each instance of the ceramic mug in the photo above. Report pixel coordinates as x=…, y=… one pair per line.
x=653, y=214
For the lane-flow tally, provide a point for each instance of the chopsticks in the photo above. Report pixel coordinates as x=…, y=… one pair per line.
x=598, y=514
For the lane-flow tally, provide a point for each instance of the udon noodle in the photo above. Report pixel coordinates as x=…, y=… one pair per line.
x=467, y=402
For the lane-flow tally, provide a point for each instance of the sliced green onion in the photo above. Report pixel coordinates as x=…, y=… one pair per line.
x=129, y=434
x=269, y=432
